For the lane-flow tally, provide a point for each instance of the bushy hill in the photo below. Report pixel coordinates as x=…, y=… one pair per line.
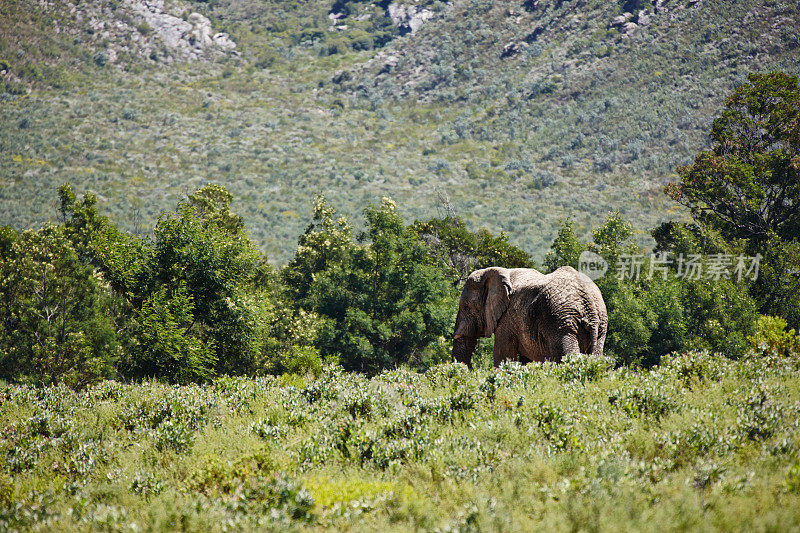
x=522, y=113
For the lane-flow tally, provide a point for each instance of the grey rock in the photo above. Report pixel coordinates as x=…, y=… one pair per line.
x=408, y=18
x=618, y=20
x=186, y=39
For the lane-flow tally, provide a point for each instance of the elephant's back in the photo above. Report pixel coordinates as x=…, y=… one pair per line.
x=571, y=297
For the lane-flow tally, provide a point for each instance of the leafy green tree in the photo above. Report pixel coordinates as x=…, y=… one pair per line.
x=566, y=248
x=199, y=276
x=748, y=184
x=613, y=239
x=460, y=251
x=630, y=325
x=689, y=238
x=777, y=289
x=212, y=204
x=720, y=315
x=117, y=255
x=169, y=351
x=384, y=299
x=218, y=264
x=652, y=315
x=328, y=240
x=55, y=321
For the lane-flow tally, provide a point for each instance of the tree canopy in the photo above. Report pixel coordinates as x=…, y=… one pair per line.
x=748, y=184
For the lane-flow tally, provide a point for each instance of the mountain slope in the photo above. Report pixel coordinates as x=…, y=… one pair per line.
x=521, y=113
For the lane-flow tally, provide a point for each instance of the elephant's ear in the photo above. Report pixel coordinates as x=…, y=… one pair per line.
x=498, y=289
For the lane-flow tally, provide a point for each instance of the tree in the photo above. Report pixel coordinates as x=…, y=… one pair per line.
x=748, y=184
x=649, y=316
x=54, y=314
x=460, y=251
x=198, y=292
x=383, y=298
x=169, y=352
x=566, y=248
x=218, y=264
x=212, y=204
x=327, y=240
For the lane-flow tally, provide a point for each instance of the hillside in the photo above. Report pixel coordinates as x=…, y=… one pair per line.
x=521, y=113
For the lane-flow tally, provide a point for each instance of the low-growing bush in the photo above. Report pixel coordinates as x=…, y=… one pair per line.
x=242, y=450
x=771, y=334
x=583, y=368
x=648, y=398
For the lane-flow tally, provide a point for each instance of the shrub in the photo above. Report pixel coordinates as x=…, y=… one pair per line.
x=584, y=368
x=645, y=399
x=147, y=485
x=557, y=427
x=759, y=416
x=385, y=301
x=771, y=334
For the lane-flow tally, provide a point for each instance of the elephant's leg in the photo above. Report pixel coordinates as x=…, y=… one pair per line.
x=598, y=344
x=505, y=348
x=567, y=344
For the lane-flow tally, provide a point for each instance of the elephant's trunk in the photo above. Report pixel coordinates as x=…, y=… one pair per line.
x=463, y=347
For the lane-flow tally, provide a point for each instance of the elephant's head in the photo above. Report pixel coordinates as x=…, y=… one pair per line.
x=483, y=301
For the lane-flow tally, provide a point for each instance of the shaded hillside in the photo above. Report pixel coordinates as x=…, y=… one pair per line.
x=522, y=113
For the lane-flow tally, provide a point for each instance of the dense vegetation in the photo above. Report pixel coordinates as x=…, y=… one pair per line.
x=85, y=300
x=700, y=443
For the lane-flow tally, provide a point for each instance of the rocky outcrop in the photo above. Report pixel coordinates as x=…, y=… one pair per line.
x=146, y=28
x=407, y=17
x=621, y=20
x=190, y=38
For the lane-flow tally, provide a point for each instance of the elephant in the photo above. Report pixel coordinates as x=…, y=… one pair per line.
x=533, y=316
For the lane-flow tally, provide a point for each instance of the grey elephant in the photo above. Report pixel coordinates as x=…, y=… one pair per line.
x=533, y=316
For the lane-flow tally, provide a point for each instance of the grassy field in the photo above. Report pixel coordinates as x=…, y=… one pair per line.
x=700, y=442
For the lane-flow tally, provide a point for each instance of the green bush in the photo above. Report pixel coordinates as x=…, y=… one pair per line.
x=200, y=299
x=771, y=334
x=651, y=315
x=403, y=449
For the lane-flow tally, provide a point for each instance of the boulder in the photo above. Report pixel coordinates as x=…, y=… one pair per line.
x=618, y=20
x=186, y=39
x=408, y=18
x=511, y=49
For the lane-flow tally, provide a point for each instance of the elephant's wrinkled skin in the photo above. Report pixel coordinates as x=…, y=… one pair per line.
x=533, y=316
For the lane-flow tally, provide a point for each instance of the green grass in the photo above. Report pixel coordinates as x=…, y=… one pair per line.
x=700, y=442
